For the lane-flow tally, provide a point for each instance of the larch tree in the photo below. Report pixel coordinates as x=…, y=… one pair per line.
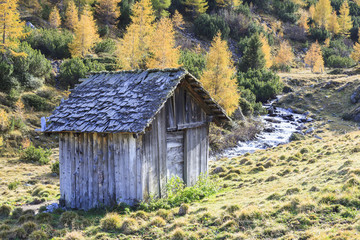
x=229, y=4
x=322, y=13
x=345, y=22
x=11, y=28
x=218, y=77
x=303, y=20
x=333, y=23
x=266, y=49
x=165, y=54
x=54, y=18
x=85, y=35
x=355, y=55
x=314, y=58
x=196, y=7
x=71, y=15
x=178, y=20
x=134, y=48
x=108, y=11
x=312, y=11
x=285, y=56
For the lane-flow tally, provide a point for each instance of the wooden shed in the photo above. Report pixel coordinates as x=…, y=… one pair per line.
x=122, y=135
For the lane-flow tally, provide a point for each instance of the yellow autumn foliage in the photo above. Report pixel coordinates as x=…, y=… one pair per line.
x=266, y=49
x=218, y=77
x=285, y=56
x=12, y=29
x=314, y=58
x=54, y=18
x=165, y=54
x=134, y=48
x=345, y=22
x=333, y=23
x=4, y=119
x=322, y=13
x=355, y=55
x=71, y=16
x=85, y=35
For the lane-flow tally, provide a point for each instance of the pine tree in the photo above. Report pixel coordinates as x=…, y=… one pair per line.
x=54, y=18
x=345, y=22
x=253, y=55
x=196, y=7
x=314, y=58
x=71, y=15
x=160, y=7
x=333, y=23
x=108, y=11
x=285, y=55
x=322, y=13
x=134, y=48
x=11, y=28
x=178, y=20
x=85, y=35
x=355, y=55
x=218, y=77
x=266, y=49
x=164, y=52
x=229, y=4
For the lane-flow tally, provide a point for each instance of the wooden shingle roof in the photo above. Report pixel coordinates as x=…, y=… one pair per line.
x=124, y=101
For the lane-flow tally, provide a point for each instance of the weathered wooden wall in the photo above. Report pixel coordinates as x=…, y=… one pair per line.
x=99, y=169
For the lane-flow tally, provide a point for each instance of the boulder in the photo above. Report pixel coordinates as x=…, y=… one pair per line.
x=355, y=97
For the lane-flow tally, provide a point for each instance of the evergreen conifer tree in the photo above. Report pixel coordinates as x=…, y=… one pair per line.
x=253, y=57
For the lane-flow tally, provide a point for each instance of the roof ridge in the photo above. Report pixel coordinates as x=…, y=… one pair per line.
x=139, y=70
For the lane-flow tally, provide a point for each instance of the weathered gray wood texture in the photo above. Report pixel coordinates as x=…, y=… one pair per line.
x=99, y=169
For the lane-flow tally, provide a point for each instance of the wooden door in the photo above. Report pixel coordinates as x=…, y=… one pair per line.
x=175, y=154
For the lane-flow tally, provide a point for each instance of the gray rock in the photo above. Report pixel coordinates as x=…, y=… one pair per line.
x=355, y=97
x=310, y=130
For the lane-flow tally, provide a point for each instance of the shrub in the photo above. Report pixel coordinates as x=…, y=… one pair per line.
x=141, y=214
x=18, y=233
x=178, y=234
x=339, y=62
x=67, y=218
x=166, y=214
x=55, y=167
x=319, y=34
x=38, y=235
x=75, y=235
x=129, y=225
x=111, y=221
x=35, y=155
x=5, y=211
x=26, y=217
x=4, y=120
x=51, y=42
x=29, y=227
x=158, y=222
x=208, y=25
x=286, y=10
x=8, y=82
x=105, y=46
x=13, y=185
x=32, y=69
x=36, y=102
x=16, y=213
x=237, y=21
x=43, y=217
x=296, y=137
x=193, y=62
x=263, y=83
x=73, y=69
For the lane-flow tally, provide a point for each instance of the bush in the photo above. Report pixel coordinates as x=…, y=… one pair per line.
x=29, y=227
x=111, y=221
x=8, y=82
x=193, y=62
x=238, y=22
x=5, y=211
x=319, y=34
x=38, y=235
x=36, y=102
x=105, y=46
x=208, y=25
x=35, y=155
x=73, y=69
x=31, y=70
x=263, y=83
x=286, y=10
x=339, y=62
x=55, y=168
x=51, y=42
x=67, y=218
x=129, y=225
x=13, y=185
x=76, y=235
x=158, y=222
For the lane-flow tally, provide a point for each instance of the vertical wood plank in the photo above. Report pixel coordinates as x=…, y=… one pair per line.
x=101, y=168
x=72, y=171
x=85, y=174
x=62, y=159
x=111, y=169
x=139, y=168
x=116, y=140
x=90, y=170
x=132, y=168
x=76, y=172
x=125, y=168
x=95, y=171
